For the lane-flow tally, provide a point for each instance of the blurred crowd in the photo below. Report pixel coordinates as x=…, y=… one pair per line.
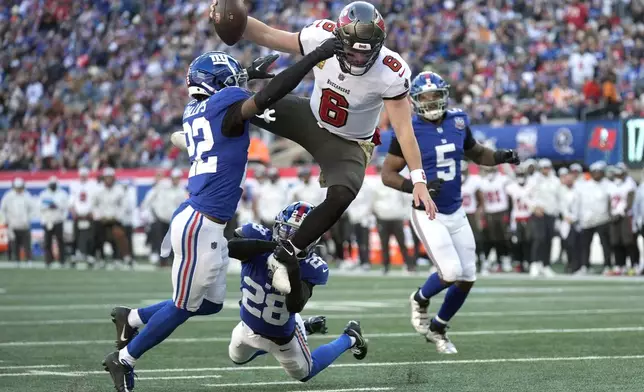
x=98, y=83
x=515, y=213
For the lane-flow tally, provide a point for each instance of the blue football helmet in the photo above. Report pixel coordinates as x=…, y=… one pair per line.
x=213, y=71
x=429, y=94
x=288, y=221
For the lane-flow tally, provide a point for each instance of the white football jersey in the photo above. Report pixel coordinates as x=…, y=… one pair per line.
x=619, y=196
x=494, y=194
x=520, y=206
x=347, y=105
x=468, y=192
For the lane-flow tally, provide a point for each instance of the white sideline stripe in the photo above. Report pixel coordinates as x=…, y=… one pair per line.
x=389, y=304
x=180, y=377
x=327, y=337
x=254, y=384
x=354, y=315
x=343, y=365
x=32, y=367
x=348, y=390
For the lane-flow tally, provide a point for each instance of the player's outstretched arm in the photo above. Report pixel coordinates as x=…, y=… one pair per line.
x=394, y=163
x=287, y=80
x=399, y=111
x=482, y=155
x=275, y=39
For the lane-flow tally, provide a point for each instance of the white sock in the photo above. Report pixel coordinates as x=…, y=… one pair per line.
x=134, y=320
x=125, y=357
x=353, y=341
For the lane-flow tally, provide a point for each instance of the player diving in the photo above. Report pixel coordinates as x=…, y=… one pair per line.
x=270, y=321
x=337, y=125
x=444, y=137
x=215, y=135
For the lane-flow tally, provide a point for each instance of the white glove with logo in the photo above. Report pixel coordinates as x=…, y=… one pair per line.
x=280, y=275
x=267, y=116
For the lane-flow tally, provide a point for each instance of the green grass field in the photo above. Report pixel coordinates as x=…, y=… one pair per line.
x=512, y=335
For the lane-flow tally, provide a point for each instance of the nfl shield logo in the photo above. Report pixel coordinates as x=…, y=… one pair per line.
x=341, y=77
x=459, y=123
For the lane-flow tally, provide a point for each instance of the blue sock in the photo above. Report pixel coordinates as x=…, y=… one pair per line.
x=454, y=299
x=324, y=355
x=159, y=327
x=145, y=314
x=432, y=286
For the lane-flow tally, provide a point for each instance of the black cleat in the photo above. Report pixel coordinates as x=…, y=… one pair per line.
x=315, y=324
x=354, y=330
x=124, y=333
x=122, y=375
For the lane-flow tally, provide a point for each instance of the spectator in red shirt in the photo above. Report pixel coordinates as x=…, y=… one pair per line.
x=577, y=14
x=592, y=91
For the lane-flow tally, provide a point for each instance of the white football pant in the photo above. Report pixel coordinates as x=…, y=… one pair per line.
x=295, y=356
x=200, y=260
x=449, y=243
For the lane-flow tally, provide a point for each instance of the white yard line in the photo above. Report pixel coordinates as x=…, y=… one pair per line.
x=32, y=367
x=205, y=376
x=253, y=384
x=214, y=319
x=327, y=337
x=344, y=365
x=348, y=389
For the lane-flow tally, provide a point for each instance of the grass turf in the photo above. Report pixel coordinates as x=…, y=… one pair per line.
x=513, y=335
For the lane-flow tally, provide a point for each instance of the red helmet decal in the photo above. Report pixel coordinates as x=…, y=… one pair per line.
x=344, y=19
x=381, y=23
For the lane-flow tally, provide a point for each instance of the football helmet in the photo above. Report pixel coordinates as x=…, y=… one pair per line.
x=362, y=31
x=213, y=71
x=288, y=221
x=429, y=94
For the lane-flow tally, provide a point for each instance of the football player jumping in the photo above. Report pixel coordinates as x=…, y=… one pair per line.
x=270, y=321
x=337, y=125
x=215, y=135
x=444, y=137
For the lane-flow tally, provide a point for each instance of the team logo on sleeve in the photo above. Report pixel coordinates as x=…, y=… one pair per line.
x=459, y=123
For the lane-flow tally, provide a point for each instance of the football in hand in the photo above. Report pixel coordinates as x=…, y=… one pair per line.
x=230, y=18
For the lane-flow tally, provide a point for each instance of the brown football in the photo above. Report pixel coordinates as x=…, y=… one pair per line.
x=230, y=18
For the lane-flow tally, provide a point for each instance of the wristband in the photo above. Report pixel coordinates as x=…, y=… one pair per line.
x=417, y=176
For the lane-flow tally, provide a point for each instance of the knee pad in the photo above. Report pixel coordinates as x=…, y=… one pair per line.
x=339, y=196
x=207, y=308
x=449, y=273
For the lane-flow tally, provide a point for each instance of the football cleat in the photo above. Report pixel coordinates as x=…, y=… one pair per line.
x=437, y=335
x=315, y=324
x=354, y=330
x=419, y=317
x=124, y=333
x=122, y=375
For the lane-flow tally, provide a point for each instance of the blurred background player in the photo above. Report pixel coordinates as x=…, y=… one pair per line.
x=270, y=321
x=473, y=202
x=569, y=225
x=361, y=218
x=161, y=201
x=496, y=219
x=128, y=215
x=622, y=197
x=445, y=138
x=215, y=135
x=82, y=194
x=18, y=207
x=54, y=206
x=109, y=203
x=519, y=219
x=593, y=212
x=271, y=196
x=544, y=198
x=389, y=221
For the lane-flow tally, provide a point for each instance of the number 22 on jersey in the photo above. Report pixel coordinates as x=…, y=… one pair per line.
x=199, y=141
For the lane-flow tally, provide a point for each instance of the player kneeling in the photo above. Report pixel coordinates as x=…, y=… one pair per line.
x=270, y=322
x=444, y=138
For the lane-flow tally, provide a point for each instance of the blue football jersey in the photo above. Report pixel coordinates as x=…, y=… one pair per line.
x=263, y=308
x=218, y=163
x=442, y=148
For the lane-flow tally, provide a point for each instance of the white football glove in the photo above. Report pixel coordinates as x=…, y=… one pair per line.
x=267, y=116
x=280, y=275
